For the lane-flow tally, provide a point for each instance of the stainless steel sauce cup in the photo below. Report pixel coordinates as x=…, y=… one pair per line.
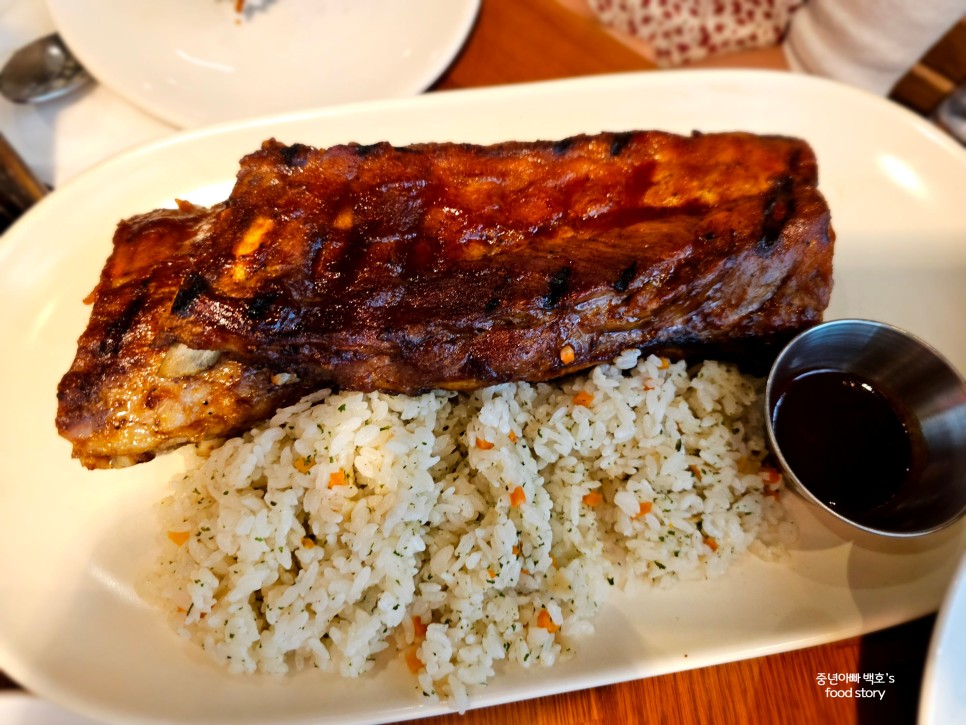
x=931, y=393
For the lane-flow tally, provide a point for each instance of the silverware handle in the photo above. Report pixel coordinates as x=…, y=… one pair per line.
x=19, y=186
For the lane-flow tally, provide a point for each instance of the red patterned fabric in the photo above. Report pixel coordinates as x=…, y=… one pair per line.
x=682, y=31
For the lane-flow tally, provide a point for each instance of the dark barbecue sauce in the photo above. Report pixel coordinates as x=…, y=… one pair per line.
x=846, y=440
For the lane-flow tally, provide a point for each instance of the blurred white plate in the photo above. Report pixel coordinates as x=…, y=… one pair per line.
x=194, y=62
x=19, y=708
x=74, y=542
x=943, y=697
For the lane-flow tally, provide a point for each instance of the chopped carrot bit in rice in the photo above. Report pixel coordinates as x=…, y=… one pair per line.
x=584, y=398
x=179, y=537
x=545, y=621
x=419, y=629
x=412, y=659
x=304, y=464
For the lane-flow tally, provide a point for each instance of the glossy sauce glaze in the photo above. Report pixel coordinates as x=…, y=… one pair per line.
x=847, y=441
x=457, y=266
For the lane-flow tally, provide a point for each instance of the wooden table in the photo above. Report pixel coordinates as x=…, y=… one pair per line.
x=529, y=40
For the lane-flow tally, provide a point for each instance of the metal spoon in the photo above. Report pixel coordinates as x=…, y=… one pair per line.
x=951, y=114
x=40, y=71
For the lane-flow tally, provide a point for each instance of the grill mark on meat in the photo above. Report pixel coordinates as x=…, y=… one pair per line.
x=627, y=276
x=116, y=330
x=557, y=288
x=260, y=305
x=296, y=155
x=562, y=146
x=779, y=208
x=192, y=288
x=364, y=150
x=619, y=143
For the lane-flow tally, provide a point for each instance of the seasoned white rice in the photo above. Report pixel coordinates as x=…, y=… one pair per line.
x=462, y=531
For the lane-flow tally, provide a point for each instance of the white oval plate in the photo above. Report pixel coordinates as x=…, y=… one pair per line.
x=19, y=708
x=942, y=700
x=74, y=542
x=196, y=62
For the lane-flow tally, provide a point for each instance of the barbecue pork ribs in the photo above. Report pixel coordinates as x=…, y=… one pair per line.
x=442, y=266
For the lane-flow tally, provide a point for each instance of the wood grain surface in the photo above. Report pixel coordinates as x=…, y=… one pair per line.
x=516, y=41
